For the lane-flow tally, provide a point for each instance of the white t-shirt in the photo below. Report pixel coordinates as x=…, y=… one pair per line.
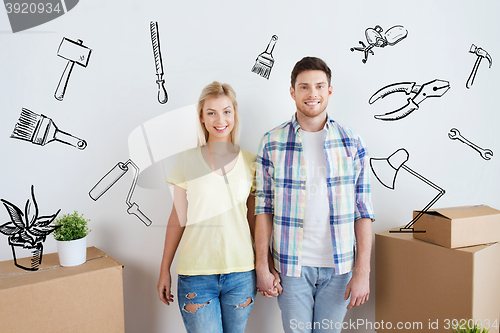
x=317, y=249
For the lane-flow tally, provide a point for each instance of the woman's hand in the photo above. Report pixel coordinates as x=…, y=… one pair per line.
x=164, y=290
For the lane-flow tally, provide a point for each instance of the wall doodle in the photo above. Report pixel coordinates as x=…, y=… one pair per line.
x=454, y=134
x=111, y=178
x=265, y=61
x=435, y=88
x=75, y=53
x=40, y=130
x=480, y=55
x=27, y=231
x=375, y=38
x=155, y=40
x=386, y=171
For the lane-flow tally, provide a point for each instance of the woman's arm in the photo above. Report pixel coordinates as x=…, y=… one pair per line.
x=173, y=235
x=251, y=214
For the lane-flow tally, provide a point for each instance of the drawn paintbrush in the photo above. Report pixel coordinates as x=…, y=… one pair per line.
x=155, y=40
x=265, y=61
x=40, y=130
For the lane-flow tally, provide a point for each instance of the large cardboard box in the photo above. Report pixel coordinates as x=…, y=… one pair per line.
x=423, y=287
x=86, y=298
x=459, y=226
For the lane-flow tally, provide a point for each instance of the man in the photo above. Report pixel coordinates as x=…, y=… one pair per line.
x=313, y=198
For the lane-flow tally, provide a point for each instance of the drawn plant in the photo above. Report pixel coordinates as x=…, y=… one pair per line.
x=27, y=230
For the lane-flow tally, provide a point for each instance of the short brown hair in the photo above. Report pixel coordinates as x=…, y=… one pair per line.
x=214, y=90
x=310, y=64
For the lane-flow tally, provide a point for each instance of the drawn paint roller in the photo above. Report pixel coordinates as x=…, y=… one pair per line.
x=155, y=40
x=40, y=130
x=111, y=178
x=265, y=61
x=74, y=52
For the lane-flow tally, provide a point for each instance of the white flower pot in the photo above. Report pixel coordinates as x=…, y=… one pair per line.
x=72, y=253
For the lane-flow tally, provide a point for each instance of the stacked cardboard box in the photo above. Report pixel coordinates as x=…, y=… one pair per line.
x=86, y=298
x=424, y=287
x=459, y=226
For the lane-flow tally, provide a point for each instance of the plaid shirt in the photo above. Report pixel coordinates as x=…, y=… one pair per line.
x=281, y=191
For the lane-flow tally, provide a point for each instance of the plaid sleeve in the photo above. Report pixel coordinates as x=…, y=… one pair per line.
x=264, y=195
x=363, y=205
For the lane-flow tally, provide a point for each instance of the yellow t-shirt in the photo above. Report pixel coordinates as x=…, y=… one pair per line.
x=217, y=237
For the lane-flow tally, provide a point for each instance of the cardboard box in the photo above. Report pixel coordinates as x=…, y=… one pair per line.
x=86, y=298
x=418, y=282
x=459, y=226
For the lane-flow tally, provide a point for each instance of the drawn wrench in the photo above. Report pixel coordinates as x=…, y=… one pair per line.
x=485, y=153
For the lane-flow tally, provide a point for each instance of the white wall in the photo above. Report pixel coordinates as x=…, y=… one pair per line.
x=202, y=41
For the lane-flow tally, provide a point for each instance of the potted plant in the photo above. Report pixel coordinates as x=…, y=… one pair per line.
x=71, y=236
x=27, y=231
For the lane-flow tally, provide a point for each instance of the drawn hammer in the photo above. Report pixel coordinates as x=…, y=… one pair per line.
x=480, y=55
x=74, y=52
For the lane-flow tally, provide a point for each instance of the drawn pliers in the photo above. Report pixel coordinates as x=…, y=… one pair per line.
x=435, y=88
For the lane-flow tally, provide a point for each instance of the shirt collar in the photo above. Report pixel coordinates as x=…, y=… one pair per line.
x=296, y=125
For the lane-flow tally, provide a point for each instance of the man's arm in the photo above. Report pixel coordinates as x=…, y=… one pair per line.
x=268, y=281
x=359, y=286
x=263, y=261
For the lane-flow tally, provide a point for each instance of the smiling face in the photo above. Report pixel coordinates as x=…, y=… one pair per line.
x=311, y=93
x=218, y=118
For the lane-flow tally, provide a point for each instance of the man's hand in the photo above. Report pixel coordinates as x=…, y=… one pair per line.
x=277, y=282
x=268, y=284
x=358, y=288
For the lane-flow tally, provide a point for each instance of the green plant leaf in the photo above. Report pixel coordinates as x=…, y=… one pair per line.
x=9, y=228
x=15, y=213
x=71, y=227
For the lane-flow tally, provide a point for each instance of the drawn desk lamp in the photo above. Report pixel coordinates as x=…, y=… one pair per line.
x=386, y=171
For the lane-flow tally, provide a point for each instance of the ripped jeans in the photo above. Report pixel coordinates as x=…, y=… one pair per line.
x=216, y=303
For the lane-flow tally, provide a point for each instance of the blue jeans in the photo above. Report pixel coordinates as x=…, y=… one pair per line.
x=216, y=303
x=313, y=302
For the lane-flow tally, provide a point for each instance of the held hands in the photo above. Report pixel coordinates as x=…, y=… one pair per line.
x=268, y=283
x=164, y=290
x=358, y=288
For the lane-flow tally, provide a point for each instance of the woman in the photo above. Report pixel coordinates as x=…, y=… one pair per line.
x=216, y=282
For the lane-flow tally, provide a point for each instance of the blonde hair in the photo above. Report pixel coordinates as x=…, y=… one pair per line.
x=214, y=90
